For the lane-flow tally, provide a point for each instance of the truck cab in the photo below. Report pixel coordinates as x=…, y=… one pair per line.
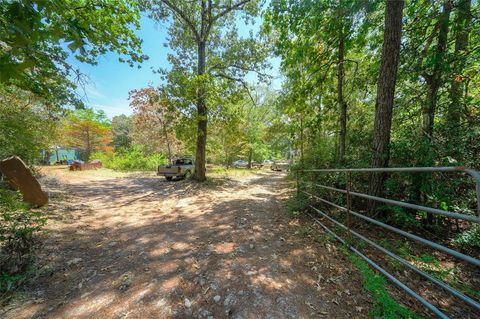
x=181, y=168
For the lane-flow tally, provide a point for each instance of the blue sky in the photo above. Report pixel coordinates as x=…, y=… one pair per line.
x=110, y=80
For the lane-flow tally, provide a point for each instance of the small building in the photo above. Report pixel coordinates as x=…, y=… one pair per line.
x=59, y=154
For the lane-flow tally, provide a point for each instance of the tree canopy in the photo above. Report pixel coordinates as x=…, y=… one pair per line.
x=37, y=37
x=87, y=130
x=208, y=53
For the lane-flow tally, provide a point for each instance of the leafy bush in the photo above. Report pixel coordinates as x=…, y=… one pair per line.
x=297, y=203
x=18, y=224
x=130, y=159
x=24, y=130
x=400, y=217
x=469, y=238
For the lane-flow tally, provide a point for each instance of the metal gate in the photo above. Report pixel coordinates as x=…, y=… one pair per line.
x=349, y=194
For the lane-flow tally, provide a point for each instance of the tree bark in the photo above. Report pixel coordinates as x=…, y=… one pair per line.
x=250, y=156
x=169, y=149
x=165, y=136
x=434, y=80
x=301, y=141
x=385, y=94
x=207, y=20
x=342, y=106
x=89, y=146
x=202, y=118
x=462, y=22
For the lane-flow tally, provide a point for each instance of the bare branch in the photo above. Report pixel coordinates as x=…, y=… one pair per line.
x=219, y=66
x=244, y=84
x=230, y=9
x=184, y=17
x=236, y=66
x=226, y=10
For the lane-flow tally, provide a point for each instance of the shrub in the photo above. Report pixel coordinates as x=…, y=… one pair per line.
x=18, y=224
x=469, y=238
x=297, y=204
x=25, y=129
x=130, y=159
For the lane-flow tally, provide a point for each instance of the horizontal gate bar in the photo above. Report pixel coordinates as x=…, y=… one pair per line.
x=384, y=272
x=440, y=283
x=469, y=218
x=404, y=233
x=471, y=172
x=399, y=169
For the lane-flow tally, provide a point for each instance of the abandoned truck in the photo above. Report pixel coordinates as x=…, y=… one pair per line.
x=182, y=167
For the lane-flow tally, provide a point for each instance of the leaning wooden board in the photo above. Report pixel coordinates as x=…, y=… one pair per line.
x=22, y=179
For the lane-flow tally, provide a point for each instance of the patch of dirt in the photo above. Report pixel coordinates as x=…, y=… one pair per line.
x=141, y=247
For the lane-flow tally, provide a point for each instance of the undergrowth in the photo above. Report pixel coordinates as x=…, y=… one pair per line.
x=297, y=204
x=384, y=304
x=130, y=159
x=18, y=225
x=449, y=275
x=469, y=238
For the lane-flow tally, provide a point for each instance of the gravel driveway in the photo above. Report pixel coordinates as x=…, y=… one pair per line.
x=141, y=247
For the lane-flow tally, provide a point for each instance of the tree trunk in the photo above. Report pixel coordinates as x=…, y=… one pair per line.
x=227, y=159
x=168, y=145
x=385, y=94
x=342, y=106
x=165, y=136
x=301, y=141
x=462, y=22
x=434, y=80
x=250, y=156
x=202, y=117
x=89, y=146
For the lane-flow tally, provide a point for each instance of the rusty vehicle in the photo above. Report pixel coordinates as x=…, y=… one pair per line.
x=82, y=166
x=181, y=168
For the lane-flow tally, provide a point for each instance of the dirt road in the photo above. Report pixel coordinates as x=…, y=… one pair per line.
x=141, y=247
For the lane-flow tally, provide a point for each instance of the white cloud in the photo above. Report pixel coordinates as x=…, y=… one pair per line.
x=92, y=91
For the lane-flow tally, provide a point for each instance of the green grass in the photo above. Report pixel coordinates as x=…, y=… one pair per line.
x=106, y=172
x=384, y=305
x=222, y=172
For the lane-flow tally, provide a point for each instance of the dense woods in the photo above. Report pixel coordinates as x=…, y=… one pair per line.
x=436, y=76
x=381, y=84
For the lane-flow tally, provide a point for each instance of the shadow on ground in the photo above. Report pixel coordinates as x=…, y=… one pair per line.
x=142, y=247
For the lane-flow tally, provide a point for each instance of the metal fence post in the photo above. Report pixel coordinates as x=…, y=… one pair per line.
x=349, y=206
x=298, y=182
x=478, y=199
x=351, y=236
x=476, y=175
